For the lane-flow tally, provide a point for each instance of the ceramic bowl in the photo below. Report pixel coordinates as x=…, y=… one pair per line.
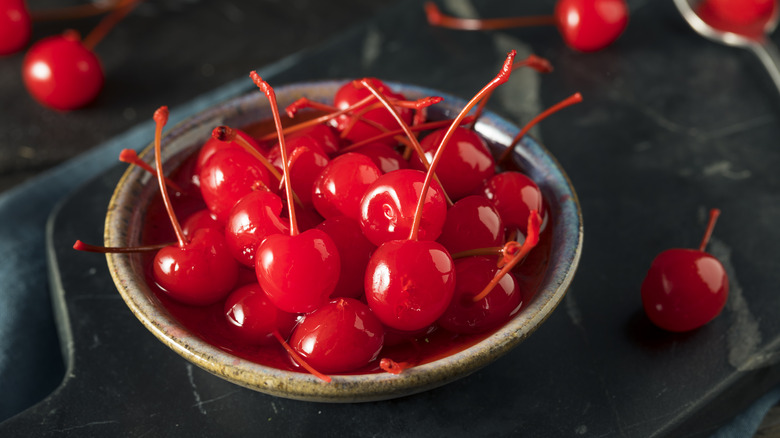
x=135, y=190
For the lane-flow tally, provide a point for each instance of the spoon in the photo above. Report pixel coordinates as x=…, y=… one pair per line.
x=752, y=37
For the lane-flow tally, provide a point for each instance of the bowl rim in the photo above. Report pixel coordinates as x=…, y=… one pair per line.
x=122, y=214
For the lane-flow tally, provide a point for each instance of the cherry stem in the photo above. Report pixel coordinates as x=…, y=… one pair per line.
x=73, y=12
x=500, y=78
x=271, y=95
x=298, y=359
x=108, y=22
x=160, y=119
x=421, y=127
x=393, y=367
x=714, y=213
x=532, y=61
x=437, y=18
x=81, y=246
x=300, y=103
x=131, y=157
x=227, y=134
x=413, y=138
x=571, y=100
x=531, y=239
x=491, y=250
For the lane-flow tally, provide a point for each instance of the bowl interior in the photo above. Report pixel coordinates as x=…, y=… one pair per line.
x=134, y=192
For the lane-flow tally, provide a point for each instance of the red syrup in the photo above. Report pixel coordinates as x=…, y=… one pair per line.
x=209, y=323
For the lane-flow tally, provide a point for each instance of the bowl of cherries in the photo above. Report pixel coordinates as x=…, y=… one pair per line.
x=343, y=241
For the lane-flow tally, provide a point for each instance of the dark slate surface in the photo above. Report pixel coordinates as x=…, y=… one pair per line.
x=672, y=125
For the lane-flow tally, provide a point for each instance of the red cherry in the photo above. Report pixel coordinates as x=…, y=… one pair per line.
x=229, y=175
x=213, y=145
x=339, y=188
x=62, y=73
x=514, y=195
x=586, y=25
x=350, y=94
x=298, y=273
x=354, y=253
x=199, y=273
x=473, y=222
x=196, y=271
x=15, y=26
x=342, y=335
x=465, y=165
x=306, y=160
x=251, y=220
x=590, y=25
x=388, y=207
x=325, y=136
x=386, y=158
x=409, y=283
x=463, y=315
x=253, y=318
x=202, y=219
x=685, y=288
x=739, y=12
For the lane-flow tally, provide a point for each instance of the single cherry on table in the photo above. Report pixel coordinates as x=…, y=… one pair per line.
x=585, y=25
x=685, y=288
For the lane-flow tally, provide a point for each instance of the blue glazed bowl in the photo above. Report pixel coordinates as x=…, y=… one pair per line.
x=135, y=190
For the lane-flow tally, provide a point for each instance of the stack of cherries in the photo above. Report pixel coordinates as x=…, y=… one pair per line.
x=336, y=239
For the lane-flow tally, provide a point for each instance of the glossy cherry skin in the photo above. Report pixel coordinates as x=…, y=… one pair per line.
x=684, y=289
x=387, y=208
x=213, y=145
x=473, y=222
x=386, y=158
x=252, y=219
x=15, y=26
x=740, y=12
x=409, y=283
x=325, y=136
x=306, y=159
x=229, y=175
x=253, y=318
x=200, y=273
x=202, y=219
x=340, y=186
x=354, y=251
x=590, y=25
x=342, y=335
x=350, y=94
x=59, y=72
x=465, y=164
x=298, y=273
x=463, y=315
x=514, y=195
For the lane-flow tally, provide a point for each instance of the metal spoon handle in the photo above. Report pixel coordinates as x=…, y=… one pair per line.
x=769, y=55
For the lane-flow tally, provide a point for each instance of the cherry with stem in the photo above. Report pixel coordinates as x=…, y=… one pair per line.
x=298, y=271
x=409, y=283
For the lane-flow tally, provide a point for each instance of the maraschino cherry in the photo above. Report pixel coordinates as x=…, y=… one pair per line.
x=685, y=288
x=409, y=283
x=298, y=272
x=15, y=26
x=585, y=25
x=198, y=270
x=340, y=336
x=63, y=72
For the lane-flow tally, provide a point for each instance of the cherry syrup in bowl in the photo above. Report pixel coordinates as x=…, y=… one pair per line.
x=136, y=217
